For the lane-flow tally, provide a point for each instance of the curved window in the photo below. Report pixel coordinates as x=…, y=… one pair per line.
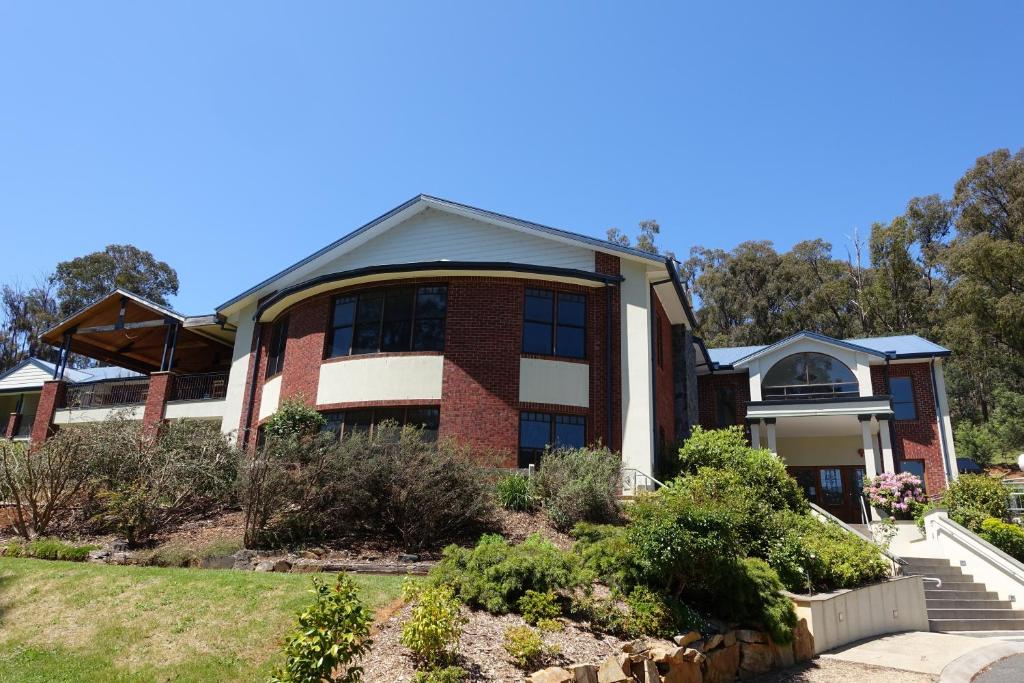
x=804, y=376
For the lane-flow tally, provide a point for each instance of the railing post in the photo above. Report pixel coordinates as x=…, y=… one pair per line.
x=161, y=384
x=51, y=398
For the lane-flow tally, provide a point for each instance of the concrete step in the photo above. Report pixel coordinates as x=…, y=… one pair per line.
x=975, y=613
x=956, y=586
x=943, y=575
x=967, y=603
x=947, y=594
x=976, y=624
x=927, y=562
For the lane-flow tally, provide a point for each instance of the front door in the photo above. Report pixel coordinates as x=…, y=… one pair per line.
x=835, y=488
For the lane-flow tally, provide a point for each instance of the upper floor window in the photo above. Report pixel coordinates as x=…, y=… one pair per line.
x=725, y=406
x=554, y=323
x=902, y=389
x=368, y=420
x=388, y=319
x=809, y=375
x=275, y=352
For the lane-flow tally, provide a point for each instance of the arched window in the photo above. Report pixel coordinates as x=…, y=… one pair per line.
x=808, y=375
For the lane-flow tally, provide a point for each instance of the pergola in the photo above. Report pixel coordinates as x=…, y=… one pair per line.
x=127, y=330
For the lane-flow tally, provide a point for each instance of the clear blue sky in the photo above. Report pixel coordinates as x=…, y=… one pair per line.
x=232, y=139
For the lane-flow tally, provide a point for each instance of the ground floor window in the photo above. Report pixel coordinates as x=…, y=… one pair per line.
x=915, y=467
x=540, y=431
x=366, y=420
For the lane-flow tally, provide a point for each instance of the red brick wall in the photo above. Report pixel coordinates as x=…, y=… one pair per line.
x=916, y=439
x=707, y=389
x=52, y=396
x=160, y=386
x=483, y=341
x=664, y=381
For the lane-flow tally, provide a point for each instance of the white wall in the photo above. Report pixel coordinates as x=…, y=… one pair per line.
x=76, y=415
x=387, y=378
x=826, y=450
x=198, y=410
x=234, y=397
x=433, y=235
x=637, y=411
x=976, y=557
x=857, y=361
x=554, y=382
x=836, y=619
x=271, y=397
x=28, y=377
x=945, y=422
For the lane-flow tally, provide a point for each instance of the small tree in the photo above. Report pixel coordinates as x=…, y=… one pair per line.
x=294, y=417
x=331, y=634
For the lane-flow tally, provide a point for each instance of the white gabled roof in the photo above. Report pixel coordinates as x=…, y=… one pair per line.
x=414, y=206
x=30, y=374
x=898, y=347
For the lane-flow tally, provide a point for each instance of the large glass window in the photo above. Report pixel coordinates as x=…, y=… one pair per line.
x=540, y=431
x=275, y=351
x=902, y=389
x=343, y=422
x=389, y=319
x=808, y=376
x=554, y=324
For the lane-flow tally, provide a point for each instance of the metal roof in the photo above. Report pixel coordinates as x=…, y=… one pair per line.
x=900, y=346
x=439, y=203
x=74, y=375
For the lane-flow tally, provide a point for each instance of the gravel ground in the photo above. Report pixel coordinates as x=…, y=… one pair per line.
x=826, y=670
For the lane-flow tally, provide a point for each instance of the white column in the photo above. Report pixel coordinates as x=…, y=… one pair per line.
x=888, y=464
x=869, y=452
x=770, y=427
x=755, y=434
x=945, y=423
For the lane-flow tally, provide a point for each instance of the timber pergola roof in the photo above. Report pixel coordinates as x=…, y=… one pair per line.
x=130, y=331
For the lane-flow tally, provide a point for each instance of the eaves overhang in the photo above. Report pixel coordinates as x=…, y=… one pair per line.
x=858, y=405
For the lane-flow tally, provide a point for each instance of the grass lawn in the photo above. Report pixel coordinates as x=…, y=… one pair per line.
x=64, y=621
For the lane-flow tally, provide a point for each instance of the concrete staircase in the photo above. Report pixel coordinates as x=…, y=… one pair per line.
x=960, y=603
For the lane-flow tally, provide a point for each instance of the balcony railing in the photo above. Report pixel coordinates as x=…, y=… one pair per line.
x=107, y=393
x=808, y=392
x=25, y=426
x=206, y=387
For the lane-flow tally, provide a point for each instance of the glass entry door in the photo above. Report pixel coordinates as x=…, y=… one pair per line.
x=835, y=488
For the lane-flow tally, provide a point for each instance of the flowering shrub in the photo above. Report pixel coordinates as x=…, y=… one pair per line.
x=894, y=493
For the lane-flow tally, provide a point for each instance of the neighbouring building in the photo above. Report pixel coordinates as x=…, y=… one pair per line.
x=837, y=410
x=510, y=336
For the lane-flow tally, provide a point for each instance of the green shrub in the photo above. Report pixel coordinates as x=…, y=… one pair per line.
x=536, y=606
x=579, y=485
x=526, y=648
x=605, y=550
x=294, y=417
x=433, y=630
x=811, y=555
x=973, y=498
x=515, y=492
x=550, y=625
x=449, y=674
x=48, y=549
x=643, y=612
x=495, y=574
x=1007, y=537
x=180, y=554
x=752, y=592
x=728, y=449
x=396, y=484
x=333, y=632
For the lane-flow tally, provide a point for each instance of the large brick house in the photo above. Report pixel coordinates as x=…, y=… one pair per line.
x=505, y=334
x=509, y=336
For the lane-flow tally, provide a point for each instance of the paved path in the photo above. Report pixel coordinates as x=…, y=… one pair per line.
x=920, y=651
x=1009, y=670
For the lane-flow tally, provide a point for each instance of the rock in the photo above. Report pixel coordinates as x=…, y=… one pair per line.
x=693, y=655
x=243, y=559
x=755, y=659
x=307, y=555
x=633, y=647
x=686, y=639
x=722, y=665
x=712, y=642
x=282, y=566
x=728, y=638
x=219, y=562
x=264, y=566
x=408, y=558
x=552, y=674
x=119, y=545
x=684, y=672
x=584, y=673
x=803, y=642
x=99, y=555
x=306, y=567
x=611, y=671
x=120, y=558
x=646, y=672
x=782, y=655
x=746, y=635
x=659, y=654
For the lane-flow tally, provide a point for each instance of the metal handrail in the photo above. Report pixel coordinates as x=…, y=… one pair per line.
x=631, y=478
x=800, y=391
x=118, y=392
x=822, y=512
x=209, y=386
